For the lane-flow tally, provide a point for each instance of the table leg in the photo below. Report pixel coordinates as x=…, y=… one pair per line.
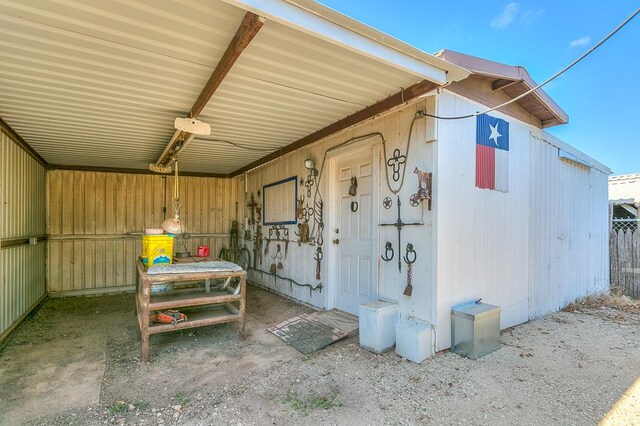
x=243, y=290
x=144, y=322
x=144, y=350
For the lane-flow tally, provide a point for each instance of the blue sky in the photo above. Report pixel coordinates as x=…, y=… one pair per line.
x=601, y=94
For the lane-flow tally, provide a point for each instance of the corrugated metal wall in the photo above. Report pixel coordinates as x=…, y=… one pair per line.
x=568, y=228
x=22, y=211
x=92, y=214
x=531, y=250
x=482, y=235
x=300, y=264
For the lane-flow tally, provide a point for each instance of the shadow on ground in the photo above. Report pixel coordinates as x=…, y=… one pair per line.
x=80, y=352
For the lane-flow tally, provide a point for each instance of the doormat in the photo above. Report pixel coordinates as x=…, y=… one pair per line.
x=307, y=333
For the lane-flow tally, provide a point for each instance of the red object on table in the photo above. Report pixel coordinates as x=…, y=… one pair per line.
x=202, y=251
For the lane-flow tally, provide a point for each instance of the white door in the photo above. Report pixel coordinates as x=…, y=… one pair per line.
x=354, y=230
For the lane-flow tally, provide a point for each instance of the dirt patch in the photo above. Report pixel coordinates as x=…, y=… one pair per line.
x=565, y=368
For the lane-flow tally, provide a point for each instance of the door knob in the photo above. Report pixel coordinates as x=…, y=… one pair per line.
x=336, y=241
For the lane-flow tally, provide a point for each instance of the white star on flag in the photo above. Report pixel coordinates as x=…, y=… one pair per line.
x=494, y=133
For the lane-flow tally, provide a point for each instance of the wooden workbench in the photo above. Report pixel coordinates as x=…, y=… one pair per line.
x=202, y=305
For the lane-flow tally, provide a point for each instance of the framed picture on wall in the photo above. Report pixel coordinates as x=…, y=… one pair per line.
x=279, y=202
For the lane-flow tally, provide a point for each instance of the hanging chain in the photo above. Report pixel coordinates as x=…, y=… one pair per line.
x=409, y=275
x=176, y=191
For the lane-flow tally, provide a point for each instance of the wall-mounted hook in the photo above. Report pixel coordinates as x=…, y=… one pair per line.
x=410, y=255
x=388, y=252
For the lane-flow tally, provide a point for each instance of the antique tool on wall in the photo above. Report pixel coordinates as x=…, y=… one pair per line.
x=279, y=233
x=233, y=242
x=424, y=189
x=388, y=252
x=266, y=246
x=318, y=223
x=318, y=258
x=399, y=224
x=409, y=258
x=309, y=184
x=353, y=189
x=257, y=246
x=303, y=233
x=278, y=256
x=300, y=208
x=307, y=212
x=252, y=207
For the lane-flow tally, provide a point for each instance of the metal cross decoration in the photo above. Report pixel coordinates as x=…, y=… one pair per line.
x=395, y=162
x=399, y=224
x=318, y=258
x=252, y=205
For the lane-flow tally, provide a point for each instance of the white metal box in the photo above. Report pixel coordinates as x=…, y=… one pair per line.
x=377, y=323
x=414, y=340
x=475, y=329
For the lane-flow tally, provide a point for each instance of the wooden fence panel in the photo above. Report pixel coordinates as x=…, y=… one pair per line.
x=624, y=249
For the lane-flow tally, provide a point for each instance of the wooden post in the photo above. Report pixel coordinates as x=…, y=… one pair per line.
x=247, y=30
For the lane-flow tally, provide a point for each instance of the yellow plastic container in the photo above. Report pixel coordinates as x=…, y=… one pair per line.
x=157, y=250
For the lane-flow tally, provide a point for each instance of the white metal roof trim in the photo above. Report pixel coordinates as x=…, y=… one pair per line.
x=349, y=34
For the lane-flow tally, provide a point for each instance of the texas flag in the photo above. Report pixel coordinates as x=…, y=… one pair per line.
x=492, y=153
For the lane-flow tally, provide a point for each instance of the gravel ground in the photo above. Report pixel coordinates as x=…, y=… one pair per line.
x=564, y=368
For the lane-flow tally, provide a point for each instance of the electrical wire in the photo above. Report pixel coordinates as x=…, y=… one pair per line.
x=550, y=79
x=418, y=115
x=237, y=145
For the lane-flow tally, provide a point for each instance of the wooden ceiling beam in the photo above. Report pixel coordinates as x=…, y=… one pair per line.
x=121, y=170
x=386, y=104
x=249, y=27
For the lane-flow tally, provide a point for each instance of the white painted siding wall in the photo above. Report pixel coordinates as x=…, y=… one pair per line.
x=531, y=250
x=22, y=215
x=568, y=227
x=299, y=264
x=482, y=238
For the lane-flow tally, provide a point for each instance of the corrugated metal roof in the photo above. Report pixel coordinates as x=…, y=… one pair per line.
x=625, y=188
x=515, y=80
x=99, y=83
